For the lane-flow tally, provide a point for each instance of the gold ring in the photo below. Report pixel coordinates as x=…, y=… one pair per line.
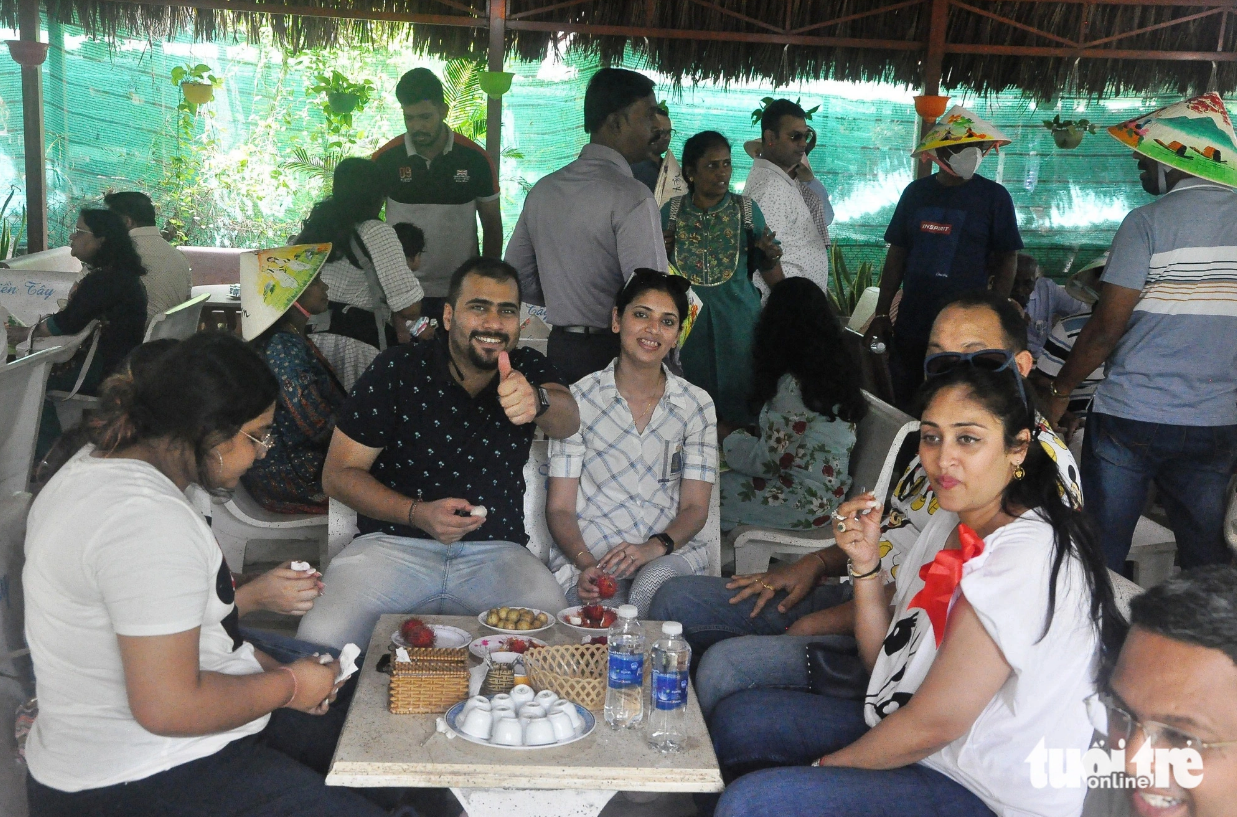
x=766, y=586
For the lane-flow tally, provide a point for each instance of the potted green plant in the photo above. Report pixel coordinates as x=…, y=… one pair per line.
x=197, y=82
x=496, y=83
x=1068, y=134
x=343, y=96
x=764, y=103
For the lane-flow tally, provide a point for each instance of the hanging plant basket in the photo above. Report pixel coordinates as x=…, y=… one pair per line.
x=197, y=93
x=342, y=102
x=1068, y=134
x=496, y=83
x=27, y=52
x=931, y=107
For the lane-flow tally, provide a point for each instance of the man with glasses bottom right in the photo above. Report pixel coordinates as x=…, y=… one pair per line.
x=1174, y=685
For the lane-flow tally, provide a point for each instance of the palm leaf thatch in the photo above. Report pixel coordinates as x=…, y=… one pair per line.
x=724, y=56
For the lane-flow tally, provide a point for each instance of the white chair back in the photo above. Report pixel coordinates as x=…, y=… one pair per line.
x=23, y=385
x=13, y=510
x=179, y=322
x=878, y=439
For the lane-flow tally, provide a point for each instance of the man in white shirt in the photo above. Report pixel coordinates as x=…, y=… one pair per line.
x=793, y=211
x=167, y=279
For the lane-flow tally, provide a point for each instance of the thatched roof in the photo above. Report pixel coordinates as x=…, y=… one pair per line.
x=728, y=40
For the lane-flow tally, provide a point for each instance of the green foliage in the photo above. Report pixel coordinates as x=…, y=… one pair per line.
x=10, y=236
x=341, y=98
x=201, y=72
x=766, y=101
x=1055, y=124
x=466, y=102
x=317, y=167
x=845, y=288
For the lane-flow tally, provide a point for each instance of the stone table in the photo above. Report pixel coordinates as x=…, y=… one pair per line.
x=377, y=748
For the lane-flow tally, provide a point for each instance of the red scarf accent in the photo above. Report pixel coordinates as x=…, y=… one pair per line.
x=941, y=577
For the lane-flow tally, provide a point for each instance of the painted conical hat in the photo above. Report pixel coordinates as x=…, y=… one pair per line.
x=272, y=280
x=670, y=182
x=1084, y=285
x=1194, y=136
x=960, y=127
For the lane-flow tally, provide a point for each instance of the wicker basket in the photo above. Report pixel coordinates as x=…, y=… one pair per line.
x=432, y=681
x=576, y=672
x=500, y=678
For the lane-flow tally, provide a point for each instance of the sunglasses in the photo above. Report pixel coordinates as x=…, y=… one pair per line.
x=643, y=277
x=988, y=360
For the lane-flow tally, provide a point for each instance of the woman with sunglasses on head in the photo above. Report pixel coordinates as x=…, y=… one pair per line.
x=630, y=490
x=289, y=478
x=719, y=241
x=993, y=643
x=150, y=702
x=793, y=472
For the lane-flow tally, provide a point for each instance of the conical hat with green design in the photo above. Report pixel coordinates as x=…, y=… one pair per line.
x=272, y=280
x=960, y=127
x=1194, y=136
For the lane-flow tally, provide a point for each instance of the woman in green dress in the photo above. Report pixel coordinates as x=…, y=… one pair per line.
x=711, y=236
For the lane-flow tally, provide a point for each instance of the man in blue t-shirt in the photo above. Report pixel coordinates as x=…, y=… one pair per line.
x=945, y=232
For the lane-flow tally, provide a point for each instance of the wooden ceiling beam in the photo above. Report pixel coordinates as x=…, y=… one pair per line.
x=1089, y=53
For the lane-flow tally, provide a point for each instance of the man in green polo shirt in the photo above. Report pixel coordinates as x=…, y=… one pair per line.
x=442, y=182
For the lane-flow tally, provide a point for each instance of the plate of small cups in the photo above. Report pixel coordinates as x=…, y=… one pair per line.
x=520, y=719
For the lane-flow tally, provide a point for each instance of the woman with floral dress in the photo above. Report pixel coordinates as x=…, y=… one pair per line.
x=717, y=240
x=792, y=473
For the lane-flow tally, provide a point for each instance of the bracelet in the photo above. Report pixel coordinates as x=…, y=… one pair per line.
x=881, y=315
x=823, y=563
x=850, y=569
x=412, y=508
x=295, y=685
x=1052, y=387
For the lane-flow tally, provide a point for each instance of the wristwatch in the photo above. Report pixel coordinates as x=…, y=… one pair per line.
x=543, y=401
x=1052, y=387
x=665, y=539
x=850, y=570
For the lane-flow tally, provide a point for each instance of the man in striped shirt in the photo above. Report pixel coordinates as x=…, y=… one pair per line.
x=1166, y=323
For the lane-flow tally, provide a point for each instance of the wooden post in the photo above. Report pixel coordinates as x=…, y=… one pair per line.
x=935, y=55
x=35, y=146
x=494, y=106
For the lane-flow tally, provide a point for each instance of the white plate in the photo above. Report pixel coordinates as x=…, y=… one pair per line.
x=575, y=611
x=495, y=643
x=550, y=623
x=445, y=637
x=590, y=721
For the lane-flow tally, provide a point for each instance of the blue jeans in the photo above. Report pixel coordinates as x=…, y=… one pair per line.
x=286, y=649
x=378, y=573
x=1190, y=466
x=757, y=731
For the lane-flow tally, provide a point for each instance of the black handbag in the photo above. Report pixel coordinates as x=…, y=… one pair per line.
x=835, y=669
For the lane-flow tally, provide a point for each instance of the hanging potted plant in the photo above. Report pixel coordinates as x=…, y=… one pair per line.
x=1068, y=134
x=929, y=106
x=197, y=82
x=343, y=96
x=496, y=83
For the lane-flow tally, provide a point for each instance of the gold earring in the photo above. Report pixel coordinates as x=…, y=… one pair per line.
x=1019, y=473
x=220, y=456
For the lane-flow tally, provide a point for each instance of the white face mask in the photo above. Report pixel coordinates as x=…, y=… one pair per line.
x=966, y=161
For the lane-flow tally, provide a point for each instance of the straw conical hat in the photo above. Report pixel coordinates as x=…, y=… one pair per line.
x=1194, y=136
x=272, y=280
x=1084, y=285
x=960, y=127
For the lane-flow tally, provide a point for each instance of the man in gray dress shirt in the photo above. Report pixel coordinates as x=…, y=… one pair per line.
x=587, y=227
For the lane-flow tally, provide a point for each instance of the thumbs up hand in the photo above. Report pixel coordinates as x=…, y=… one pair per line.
x=515, y=393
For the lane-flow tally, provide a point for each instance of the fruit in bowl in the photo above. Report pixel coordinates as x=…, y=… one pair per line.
x=516, y=618
x=416, y=634
x=593, y=617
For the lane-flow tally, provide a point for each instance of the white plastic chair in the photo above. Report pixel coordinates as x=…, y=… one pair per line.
x=878, y=439
x=23, y=385
x=177, y=323
x=13, y=510
x=1153, y=549
x=69, y=404
x=240, y=519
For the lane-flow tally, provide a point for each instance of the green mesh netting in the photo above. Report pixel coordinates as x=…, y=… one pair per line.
x=112, y=124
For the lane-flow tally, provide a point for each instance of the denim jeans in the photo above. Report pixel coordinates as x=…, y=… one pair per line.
x=286, y=649
x=275, y=773
x=766, y=739
x=702, y=605
x=379, y=573
x=1190, y=466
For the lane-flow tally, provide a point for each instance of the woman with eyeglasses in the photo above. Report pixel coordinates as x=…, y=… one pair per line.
x=629, y=491
x=718, y=241
x=150, y=702
x=984, y=655
x=793, y=472
x=289, y=478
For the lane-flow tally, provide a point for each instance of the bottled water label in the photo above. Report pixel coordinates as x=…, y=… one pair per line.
x=669, y=689
x=626, y=670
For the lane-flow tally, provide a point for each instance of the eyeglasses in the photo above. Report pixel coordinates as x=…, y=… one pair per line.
x=989, y=360
x=1108, y=717
x=263, y=445
x=658, y=133
x=644, y=276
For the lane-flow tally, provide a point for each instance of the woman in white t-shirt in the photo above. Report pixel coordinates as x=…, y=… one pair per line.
x=150, y=703
x=992, y=643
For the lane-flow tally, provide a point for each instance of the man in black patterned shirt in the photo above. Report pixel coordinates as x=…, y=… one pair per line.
x=430, y=451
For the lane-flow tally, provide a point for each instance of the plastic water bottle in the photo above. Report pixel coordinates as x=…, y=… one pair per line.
x=671, y=656
x=625, y=676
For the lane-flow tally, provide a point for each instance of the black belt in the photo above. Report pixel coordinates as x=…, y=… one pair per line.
x=582, y=330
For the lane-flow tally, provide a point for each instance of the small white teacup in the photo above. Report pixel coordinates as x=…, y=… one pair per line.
x=478, y=723
x=530, y=712
x=569, y=708
x=539, y=732
x=546, y=698
x=504, y=707
x=507, y=731
x=501, y=698
x=563, y=730
x=477, y=702
x=521, y=694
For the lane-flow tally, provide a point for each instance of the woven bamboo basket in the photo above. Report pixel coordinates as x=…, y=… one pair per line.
x=432, y=681
x=576, y=672
x=500, y=678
